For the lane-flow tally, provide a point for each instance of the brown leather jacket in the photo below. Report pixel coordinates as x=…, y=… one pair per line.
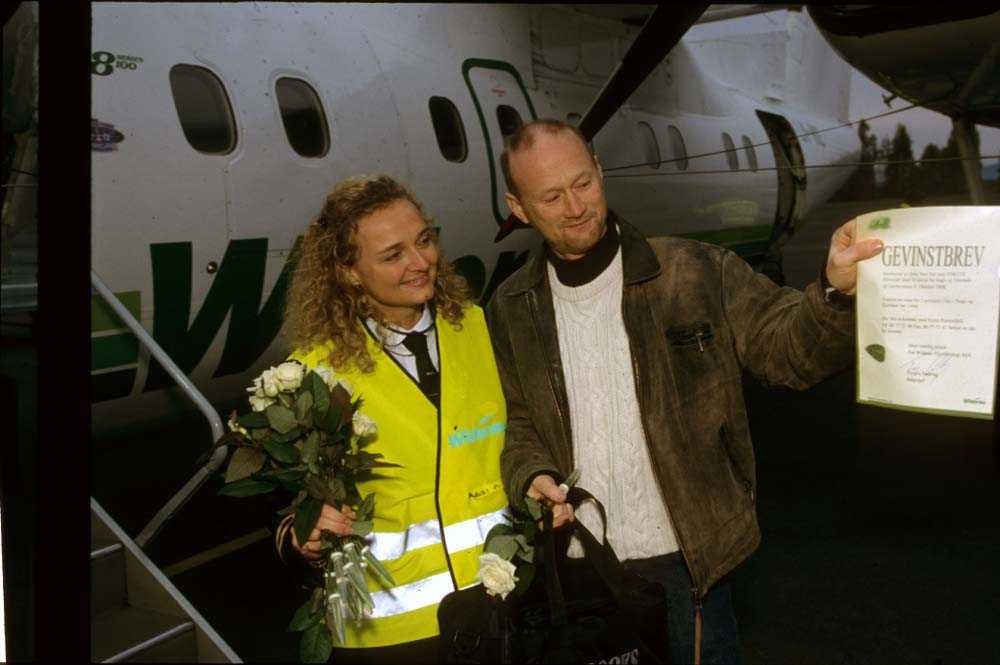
x=696, y=315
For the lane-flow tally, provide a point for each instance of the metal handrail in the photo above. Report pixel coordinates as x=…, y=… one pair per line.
x=215, y=422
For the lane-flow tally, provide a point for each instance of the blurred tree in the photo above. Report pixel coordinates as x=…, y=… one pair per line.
x=861, y=184
x=953, y=179
x=929, y=175
x=899, y=172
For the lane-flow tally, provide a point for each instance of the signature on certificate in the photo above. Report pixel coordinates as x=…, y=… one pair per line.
x=930, y=366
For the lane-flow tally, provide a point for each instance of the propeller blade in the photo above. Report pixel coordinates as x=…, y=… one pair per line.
x=661, y=32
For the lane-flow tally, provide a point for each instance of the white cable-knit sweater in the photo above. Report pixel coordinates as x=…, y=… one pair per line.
x=609, y=444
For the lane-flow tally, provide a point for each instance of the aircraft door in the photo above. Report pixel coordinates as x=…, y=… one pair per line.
x=790, y=163
x=502, y=104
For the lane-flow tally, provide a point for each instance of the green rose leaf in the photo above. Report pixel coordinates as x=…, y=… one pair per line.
x=526, y=551
x=253, y=420
x=320, y=393
x=504, y=547
x=876, y=351
x=303, y=407
x=330, y=421
x=361, y=527
x=289, y=436
x=497, y=530
x=290, y=479
x=306, y=515
x=310, y=450
x=367, y=507
x=283, y=452
x=304, y=617
x=245, y=462
x=246, y=487
x=280, y=418
x=337, y=491
x=316, y=644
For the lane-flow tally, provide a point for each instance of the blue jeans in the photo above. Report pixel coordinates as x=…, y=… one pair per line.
x=720, y=640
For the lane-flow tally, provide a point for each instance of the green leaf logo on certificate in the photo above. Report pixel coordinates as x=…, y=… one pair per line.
x=927, y=310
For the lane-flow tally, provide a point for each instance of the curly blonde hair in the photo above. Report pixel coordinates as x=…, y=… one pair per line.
x=323, y=305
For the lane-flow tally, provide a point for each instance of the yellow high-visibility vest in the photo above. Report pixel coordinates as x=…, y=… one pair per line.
x=432, y=514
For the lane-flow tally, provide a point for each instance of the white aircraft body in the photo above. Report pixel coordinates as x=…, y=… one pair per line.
x=200, y=192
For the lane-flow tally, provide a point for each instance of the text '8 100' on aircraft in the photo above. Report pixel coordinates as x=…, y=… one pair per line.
x=217, y=131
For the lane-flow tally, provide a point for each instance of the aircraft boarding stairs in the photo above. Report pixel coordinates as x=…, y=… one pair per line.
x=19, y=281
x=136, y=613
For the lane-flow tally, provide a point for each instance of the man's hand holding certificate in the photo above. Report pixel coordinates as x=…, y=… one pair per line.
x=927, y=309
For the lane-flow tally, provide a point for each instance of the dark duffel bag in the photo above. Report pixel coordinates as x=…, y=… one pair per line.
x=588, y=610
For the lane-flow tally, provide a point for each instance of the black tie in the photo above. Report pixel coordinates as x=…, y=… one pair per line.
x=430, y=381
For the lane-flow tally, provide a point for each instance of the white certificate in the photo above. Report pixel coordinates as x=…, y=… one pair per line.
x=927, y=310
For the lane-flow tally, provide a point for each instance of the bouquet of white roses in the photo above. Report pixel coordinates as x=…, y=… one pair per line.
x=306, y=436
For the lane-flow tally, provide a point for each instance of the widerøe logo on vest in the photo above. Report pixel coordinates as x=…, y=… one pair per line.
x=484, y=429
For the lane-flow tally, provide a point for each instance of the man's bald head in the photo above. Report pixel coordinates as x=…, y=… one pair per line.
x=524, y=138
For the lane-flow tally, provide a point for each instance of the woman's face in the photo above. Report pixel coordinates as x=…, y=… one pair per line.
x=397, y=261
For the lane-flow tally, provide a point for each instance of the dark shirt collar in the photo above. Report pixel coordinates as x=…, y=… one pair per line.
x=585, y=269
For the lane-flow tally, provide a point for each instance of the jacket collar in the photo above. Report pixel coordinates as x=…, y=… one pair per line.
x=639, y=262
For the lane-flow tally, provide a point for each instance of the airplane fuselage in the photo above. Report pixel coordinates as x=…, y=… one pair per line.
x=194, y=231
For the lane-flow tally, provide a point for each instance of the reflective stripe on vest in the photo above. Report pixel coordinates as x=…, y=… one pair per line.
x=413, y=596
x=389, y=545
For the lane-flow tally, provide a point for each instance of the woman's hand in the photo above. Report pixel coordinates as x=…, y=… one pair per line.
x=331, y=519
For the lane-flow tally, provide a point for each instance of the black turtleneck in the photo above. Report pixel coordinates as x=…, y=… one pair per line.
x=586, y=268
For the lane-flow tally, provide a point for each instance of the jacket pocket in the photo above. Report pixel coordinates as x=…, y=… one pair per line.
x=739, y=475
x=699, y=333
x=694, y=360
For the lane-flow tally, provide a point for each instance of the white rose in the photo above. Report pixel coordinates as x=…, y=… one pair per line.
x=289, y=375
x=260, y=403
x=363, y=425
x=270, y=383
x=496, y=574
x=324, y=372
x=330, y=379
x=236, y=427
x=257, y=388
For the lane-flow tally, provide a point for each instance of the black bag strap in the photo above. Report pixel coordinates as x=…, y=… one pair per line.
x=600, y=556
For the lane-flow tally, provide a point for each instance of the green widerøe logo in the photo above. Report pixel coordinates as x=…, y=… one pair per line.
x=876, y=351
x=879, y=223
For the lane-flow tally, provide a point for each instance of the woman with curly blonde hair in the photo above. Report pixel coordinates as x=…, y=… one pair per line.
x=373, y=300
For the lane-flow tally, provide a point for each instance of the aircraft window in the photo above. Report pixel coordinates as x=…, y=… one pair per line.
x=680, y=155
x=203, y=108
x=751, y=153
x=727, y=142
x=303, y=117
x=650, y=148
x=449, y=129
x=509, y=119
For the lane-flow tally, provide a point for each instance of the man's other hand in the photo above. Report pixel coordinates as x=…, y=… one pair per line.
x=544, y=490
x=845, y=252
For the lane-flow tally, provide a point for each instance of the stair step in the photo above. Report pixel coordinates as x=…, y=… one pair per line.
x=128, y=634
x=107, y=577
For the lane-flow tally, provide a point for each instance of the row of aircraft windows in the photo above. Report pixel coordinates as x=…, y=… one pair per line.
x=651, y=149
x=208, y=123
